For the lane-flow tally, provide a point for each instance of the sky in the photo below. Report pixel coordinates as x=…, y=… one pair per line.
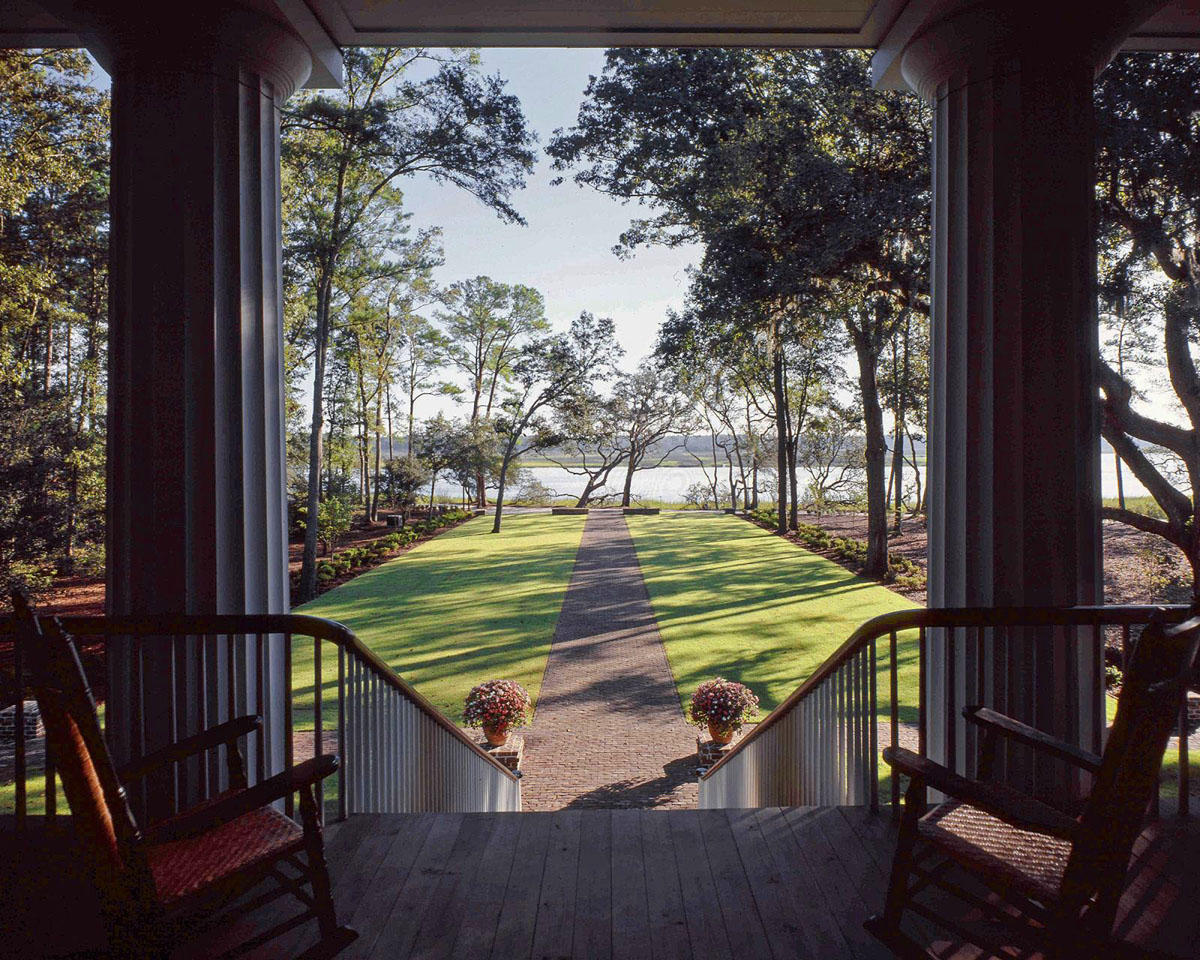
x=566, y=249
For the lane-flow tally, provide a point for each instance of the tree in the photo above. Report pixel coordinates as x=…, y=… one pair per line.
x=53, y=314
x=832, y=453
x=1148, y=193
x=476, y=456
x=372, y=334
x=343, y=155
x=406, y=477
x=487, y=322
x=437, y=449
x=425, y=351
x=592, y=447
x=802, y=181
x=549, y=376
x=648, y=411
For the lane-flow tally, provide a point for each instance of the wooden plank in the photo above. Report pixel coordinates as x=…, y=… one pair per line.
x=454, y=893
x=518, y=915
x=556, y=906
x=737, y=904
x=794, y=925
x=478, y=927
x=878, y=834
x=664, y=900
x=706, y=926
x=348, y=872
x=593, y=930
x=414, y=895
x=630, y=912
x=376, y=902
x=851, y=894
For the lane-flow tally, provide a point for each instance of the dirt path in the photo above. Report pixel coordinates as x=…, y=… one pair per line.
x=609, y=730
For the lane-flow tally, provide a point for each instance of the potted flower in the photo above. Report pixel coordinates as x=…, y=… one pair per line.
x=497, y=705
x=723, y=706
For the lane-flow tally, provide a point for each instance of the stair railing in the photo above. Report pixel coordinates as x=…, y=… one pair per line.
x=822, y=745
x=398, y=752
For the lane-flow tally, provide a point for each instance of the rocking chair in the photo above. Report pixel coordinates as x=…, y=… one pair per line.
x=180, y=877
x=1052, y=882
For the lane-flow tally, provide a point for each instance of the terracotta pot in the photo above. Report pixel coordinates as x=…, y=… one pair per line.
x=496, y=735
x=719, y=734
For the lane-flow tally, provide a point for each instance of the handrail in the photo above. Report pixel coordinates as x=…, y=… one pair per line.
x=320, y=628
x=838, y=703
x=933, y=617
x=399, y=752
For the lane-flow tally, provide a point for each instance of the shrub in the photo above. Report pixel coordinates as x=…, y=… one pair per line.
x=498, y=703
x=333, y=521
x=724, y=704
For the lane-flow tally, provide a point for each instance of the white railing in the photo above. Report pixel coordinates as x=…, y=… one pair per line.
x=821, y=746
x=398, y=752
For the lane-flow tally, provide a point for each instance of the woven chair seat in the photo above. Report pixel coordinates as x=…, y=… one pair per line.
x=1032, y=863
x=184, y=867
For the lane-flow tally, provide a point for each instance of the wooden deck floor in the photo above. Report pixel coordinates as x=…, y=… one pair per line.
x=772, y=884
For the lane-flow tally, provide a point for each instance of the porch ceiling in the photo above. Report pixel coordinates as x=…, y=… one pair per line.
x=327, y=25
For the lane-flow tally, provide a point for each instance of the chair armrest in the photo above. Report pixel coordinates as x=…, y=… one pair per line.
x=1002, y=802
x=1023, y=733
x=189, y=746
x=209, y=815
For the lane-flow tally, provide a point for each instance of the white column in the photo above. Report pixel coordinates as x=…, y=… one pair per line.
x=1014, y=468
x=196, y=502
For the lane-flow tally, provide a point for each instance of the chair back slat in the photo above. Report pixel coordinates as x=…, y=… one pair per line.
x=1147, y=710
x=100, y=812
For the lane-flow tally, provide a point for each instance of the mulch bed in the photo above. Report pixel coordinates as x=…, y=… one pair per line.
x=1138, y=566
x=358, y=537
x=84, y=596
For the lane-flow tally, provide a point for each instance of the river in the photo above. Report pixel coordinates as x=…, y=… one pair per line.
x=670, y=484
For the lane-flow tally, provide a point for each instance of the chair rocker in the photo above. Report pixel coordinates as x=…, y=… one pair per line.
x=1053, y=881
x=174, y=880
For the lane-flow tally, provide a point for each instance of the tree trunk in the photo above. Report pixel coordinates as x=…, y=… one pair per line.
x=378, y=458
x=1120, y=481
x=500, y=488
x=912, y=447
x=876, y=457
x=794, y=514
x=308, y=564
x=781, y=431
x=625, y=496
x=898, y=468
x=49, y=356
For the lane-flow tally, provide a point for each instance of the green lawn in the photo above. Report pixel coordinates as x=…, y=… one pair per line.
x=464, y=607
x=735, y=601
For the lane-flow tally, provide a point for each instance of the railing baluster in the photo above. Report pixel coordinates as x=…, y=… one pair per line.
x=922, y=682
x=19, y=798
x=318, y=711
x=51, y=787
x=951, y=668
x=894, y=715
x=1184, y=774
x=260, y=686
x=342, y=777
x=873, y=744
x=231, y=709
x=288, y=747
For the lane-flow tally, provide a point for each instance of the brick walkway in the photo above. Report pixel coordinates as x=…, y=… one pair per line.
x=609, y=730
